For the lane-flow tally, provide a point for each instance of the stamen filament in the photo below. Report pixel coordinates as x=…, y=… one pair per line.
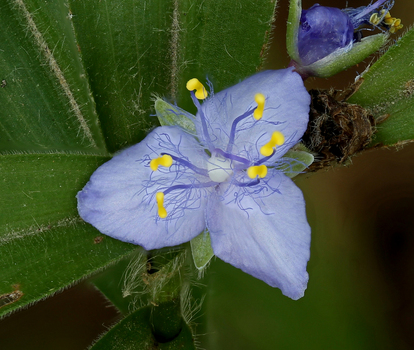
x=231, y=156
x=233, y=128
x=276, y=139
x=369, y=8
x=182, y=187
x=261, y=161
x=246, y=184
x=203, y=121
x=188, y=164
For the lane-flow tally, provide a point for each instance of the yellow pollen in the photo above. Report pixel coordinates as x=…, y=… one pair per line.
x=258, y=112
x=393, y=23
x=194, y=84
x=162, y=213
x=258, y=170
x=164, y=160
x=277, y=140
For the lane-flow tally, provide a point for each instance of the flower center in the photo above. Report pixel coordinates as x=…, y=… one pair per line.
x=219, y=168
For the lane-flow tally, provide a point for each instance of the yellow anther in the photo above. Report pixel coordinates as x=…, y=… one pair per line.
x=393, y=23
x=194, y=84
x=257, y=170
x=374, y=19
x=164, y=160
x=162, y=213
x=277, y=140
x=260, y=100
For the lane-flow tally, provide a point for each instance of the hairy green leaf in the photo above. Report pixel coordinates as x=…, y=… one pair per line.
x=39, y=189
x=37, y=265
x=44, y=94
x=388, y=90
x=134, y=332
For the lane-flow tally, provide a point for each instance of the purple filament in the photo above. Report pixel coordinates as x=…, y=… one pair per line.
x=232, y=156
x=184, y=187
x=203, y=121
x=247, y=184
x=188, y=164
x=233, y=128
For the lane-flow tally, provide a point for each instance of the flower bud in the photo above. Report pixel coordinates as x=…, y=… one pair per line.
x=323, y=41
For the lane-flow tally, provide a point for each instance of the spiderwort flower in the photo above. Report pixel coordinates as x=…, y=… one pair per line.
x=325, y=40
x=168, y=188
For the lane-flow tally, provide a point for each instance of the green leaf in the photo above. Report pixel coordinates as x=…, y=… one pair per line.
x=135, y=49
x=222, y=40
x=45, y=97
x=134, y=332
x=36, y=265
x=201, y=250
x=40, y=189
x=126, y=50
x=388, y=89
x=43, y=244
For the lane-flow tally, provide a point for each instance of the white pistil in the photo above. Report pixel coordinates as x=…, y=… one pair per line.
x=219, y=168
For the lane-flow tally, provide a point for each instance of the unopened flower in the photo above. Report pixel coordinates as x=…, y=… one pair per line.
x=168, y=188
x=323, y=41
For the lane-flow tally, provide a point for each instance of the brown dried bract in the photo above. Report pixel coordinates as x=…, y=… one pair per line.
x=10, y=298
x=98, y=239
x=336, y=129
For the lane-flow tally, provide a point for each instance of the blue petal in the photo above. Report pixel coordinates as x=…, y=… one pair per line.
x=119, y=199
x=322, y=31
x=286, y=110
x=265, y=234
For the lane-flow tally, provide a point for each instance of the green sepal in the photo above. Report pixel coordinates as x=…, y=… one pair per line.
x=342, y=59
x=296, y=160
x=201, y=250
x=169, y=114
x=295, y=11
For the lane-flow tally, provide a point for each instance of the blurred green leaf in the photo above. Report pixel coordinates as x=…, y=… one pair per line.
x=45, y=97
x=134, y=332
x=38, y=264
x=388, y=89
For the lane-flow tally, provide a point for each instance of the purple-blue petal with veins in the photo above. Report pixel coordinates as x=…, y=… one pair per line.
x=323, y=30
x=119, y=199
x=263, y=231
x=286, y=110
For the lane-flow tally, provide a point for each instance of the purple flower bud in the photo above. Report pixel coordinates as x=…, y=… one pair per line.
x=323, y=30
x=322, y=41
